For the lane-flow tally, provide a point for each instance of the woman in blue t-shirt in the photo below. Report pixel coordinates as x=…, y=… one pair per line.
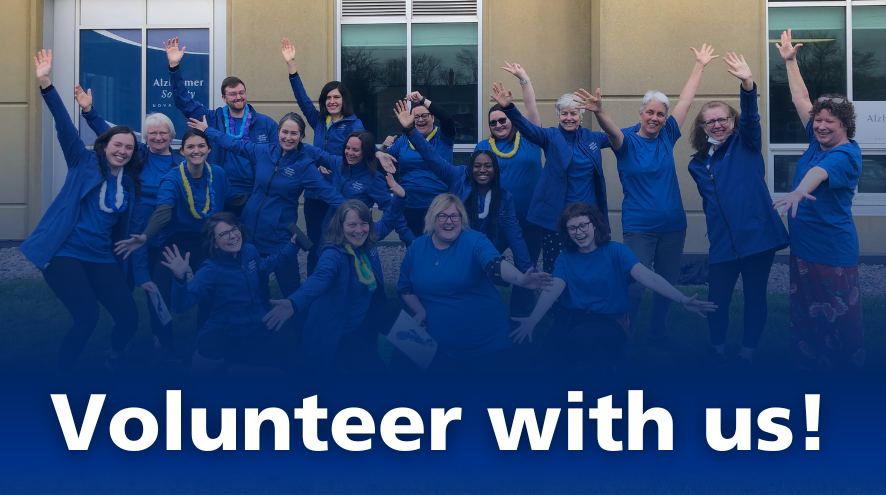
x=827, y=334
x=447, y=279
x=592, y=276
x=652, y=218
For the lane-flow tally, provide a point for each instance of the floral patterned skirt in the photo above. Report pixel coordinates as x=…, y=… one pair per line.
x=827, y=333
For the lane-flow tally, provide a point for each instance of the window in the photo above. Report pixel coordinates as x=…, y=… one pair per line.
x=390, y=48
x=844, y=51
x=121, y=58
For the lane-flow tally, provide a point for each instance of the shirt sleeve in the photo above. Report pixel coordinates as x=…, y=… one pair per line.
x=405, y=280
x=627, y=144
x=484, y=251
x=841, y=173
x=166, y=194
x=672, y=130
x=626, y=258
x=394, y=149
x=810, y=133
x=560, y=268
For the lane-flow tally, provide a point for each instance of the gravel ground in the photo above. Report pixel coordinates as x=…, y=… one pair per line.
x=873, y=277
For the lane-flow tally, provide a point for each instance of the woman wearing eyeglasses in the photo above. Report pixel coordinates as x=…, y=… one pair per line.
x=743, y=230
x=592, y=276
x=827, y=334
x=447, y=279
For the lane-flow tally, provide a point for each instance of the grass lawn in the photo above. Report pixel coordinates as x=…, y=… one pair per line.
x=33, y=321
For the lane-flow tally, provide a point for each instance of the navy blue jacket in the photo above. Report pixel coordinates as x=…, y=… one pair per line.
x=279, y=181
x=262, y=129
x=737, y=204
x=230, y=285
x=549, y=198
x=459, y=181
x=83, y=176
x=327, y=292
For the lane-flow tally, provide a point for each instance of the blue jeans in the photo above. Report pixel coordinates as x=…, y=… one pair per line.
x=662, y=253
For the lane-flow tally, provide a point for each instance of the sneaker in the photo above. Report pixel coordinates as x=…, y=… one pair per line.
x=117, y=366
x=665, y=344
x=714, y=361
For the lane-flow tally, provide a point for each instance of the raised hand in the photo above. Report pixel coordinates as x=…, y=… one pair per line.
x=516, y=70
x=43, y=63
x=394, y=186
x=288, y=50
x=175, y=262
x=389, y=141
x=527, y=326
x=791, y=201
x=401, y=110
x=414, y=97
x=500, y=95
x=705, y=55
x=587, y=102
x=387, y=162
x=126, y=247
x=84, y=98
x=785, y=49
x=698, y=307
x=737, y=66
x=277, y=316
x=198, y=124
x=173, y=54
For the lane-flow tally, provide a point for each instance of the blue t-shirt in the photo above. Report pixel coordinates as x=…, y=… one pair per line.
x=823, y=231
x=156, y=168
x=91, y=238
x=519, y=173
x=652, y=201
x=241, y=173
x=597, y=281
x=580, y=179
x=421, y=185
x=466, y=315
x=172, y=192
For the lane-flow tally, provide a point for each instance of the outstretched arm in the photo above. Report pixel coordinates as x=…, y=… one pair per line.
x=702, y=58
x=534, y=133
x=595, y=105
x=519, y=72
x=545, y=301
x=651, y=280
x=791, y=201
x=246, y=149
x=799, y=93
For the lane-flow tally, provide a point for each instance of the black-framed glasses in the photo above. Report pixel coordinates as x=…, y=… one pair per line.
x=501, y=121
x=835, y=100
x=722, y=121
x=226, y=234
x=422, y=116
x=582, y=227
x=454, y=218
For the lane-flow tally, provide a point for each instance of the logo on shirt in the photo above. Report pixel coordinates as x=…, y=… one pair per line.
x=251, y=265
x=356, y=186
x=340, y=127
x=261, y=138
x=288, y=172
x=593, y=147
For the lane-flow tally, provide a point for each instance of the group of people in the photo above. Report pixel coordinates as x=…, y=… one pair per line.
x=224, y=207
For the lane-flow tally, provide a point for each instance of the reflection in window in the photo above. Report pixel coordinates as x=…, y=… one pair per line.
x=869, y=53
x=373, y=67
x=873, y=174
x=445, y=70
x=822, y=61
x=785, y=166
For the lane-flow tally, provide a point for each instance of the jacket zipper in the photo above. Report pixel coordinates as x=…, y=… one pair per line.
x=248, y=285
x=720, y=206
x=267, y=191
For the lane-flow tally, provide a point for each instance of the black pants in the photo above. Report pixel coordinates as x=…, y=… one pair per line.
x=186, y=242
x=415, y=220
x=523, y=300
x=81, y=286
x=357, y=351
x=288, y=278
x=577, y=336
x=315, y=211
x=754, y=272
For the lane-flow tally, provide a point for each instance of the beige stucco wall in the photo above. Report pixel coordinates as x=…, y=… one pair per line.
x=20, y=28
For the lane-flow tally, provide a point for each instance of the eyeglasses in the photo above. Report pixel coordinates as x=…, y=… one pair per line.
x=835, y=100
x=422, y=116
x=501, y=121
x=226, y=234
x=454, y=218
x=158, y=134
x=722, y=121
x=238, y=93
x=583, y=227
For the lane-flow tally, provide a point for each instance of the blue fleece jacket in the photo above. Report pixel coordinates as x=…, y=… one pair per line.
x=549, y=198
x=230, y=285
x=736, y=200
x=82, y=177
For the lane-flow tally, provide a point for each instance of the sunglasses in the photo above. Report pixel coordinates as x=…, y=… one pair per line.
x=835, y=100
x=501, y=121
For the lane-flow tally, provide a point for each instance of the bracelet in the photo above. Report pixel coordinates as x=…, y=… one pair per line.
x=524, y=82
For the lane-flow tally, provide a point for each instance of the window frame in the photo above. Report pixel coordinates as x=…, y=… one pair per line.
x=409, y=20
x=863, y=204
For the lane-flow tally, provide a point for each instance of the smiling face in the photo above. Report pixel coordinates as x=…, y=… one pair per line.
x=570, y=118
x=354, y=151
x=483, y=170
x=829, y=130
x=334, y=103
x=235, y=97
x=584, y=239
x=499, y=130
x=424, y=120
x=718, y=131
x=159, y=138
x=230, y=242
x=448, y=229
x=290, y=135
x=195, y=149
x=652, y=118
x=119, y=149
x=355, y=228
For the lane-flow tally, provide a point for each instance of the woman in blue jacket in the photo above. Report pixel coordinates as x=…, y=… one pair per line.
x=72, y=243
x=489, y=206
x=331, y=125
x=744, y=231
x=282, y=172
x=345, y=297
x=228, y=281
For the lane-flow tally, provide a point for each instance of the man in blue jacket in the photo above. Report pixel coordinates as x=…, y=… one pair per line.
x=237, y=118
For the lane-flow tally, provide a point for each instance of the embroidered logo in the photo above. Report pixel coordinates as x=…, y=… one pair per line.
x=593, y=147
x=261, y=138
x=288, y=172
x=356, y=186
x=252, y=265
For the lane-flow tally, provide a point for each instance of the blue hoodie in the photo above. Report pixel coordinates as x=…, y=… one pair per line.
x=83, y=177
x=549, y=198
x=280, y=179
x=230, y=285
x=459, y=182
x=262, y=130
x=736, y=200
x=328, y=293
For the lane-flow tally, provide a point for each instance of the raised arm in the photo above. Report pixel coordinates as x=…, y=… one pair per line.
x=246, y=149
x=749, y=120
x=180, y=94
x=445, y=120
x=799, y=93
x=532, y=114
x=534, y=133
x=651, y=280
x=435, y=163
x=393, y=215
x=73, y=149
x=702, y=58
x=185, y=295
x=298, y=89
x=93, y=119
x=323, y=158
x=595, y=105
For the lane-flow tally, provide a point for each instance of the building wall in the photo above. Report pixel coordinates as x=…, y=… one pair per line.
x=20, y=30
